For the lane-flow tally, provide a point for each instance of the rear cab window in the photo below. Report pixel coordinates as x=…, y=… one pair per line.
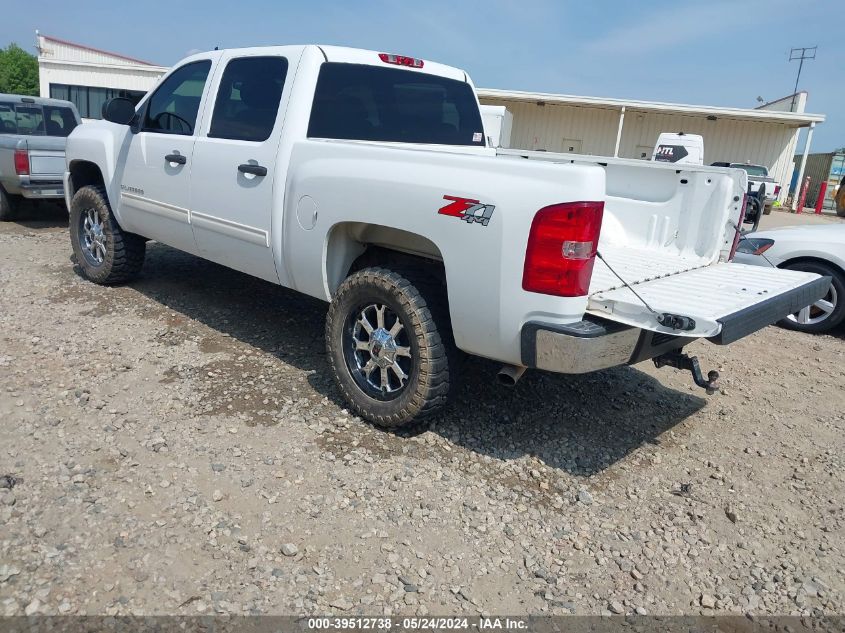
x=31, y=119
x=369, y=103
x=753, y=170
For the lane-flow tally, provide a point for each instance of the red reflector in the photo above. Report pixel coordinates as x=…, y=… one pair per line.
x=777, y=190
x=400, y=60
x=21, y=162
x=562, y=248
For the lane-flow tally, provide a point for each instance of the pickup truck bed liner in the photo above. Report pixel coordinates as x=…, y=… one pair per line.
x=636, y=265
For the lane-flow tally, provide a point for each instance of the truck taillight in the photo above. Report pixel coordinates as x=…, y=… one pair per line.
x=562, y=248
x=21, y=162
x=777, y=190
x=400, y=60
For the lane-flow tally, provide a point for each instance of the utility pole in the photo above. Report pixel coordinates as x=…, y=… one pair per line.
x=800, y=54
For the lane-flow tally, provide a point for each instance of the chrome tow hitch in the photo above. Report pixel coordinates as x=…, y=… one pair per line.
x=679, y=360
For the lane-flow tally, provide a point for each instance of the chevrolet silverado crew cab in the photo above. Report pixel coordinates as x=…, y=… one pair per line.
x=33, y=133
x=365, y=179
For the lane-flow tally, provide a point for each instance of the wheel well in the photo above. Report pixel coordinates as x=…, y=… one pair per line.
x=355, y=245
x=352, y=246
x=83, y=174
x=376, y=255
x=814, y=260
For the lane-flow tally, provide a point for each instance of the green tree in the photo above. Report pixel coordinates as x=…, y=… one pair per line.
x=18, y=71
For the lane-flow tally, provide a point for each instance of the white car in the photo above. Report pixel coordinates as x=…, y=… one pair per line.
x=815, y=249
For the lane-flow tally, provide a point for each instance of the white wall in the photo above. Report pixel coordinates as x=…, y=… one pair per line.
x=732, y=140
x=101, y=77
x=545, y=127
x=61, y=62
x=789, y=103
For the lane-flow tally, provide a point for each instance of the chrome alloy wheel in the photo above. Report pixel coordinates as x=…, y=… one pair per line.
x=93, y=240
x=378, y=351
x=817, y=312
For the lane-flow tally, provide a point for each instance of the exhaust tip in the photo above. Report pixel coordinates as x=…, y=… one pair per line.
x=509, y=375
x=505, y=380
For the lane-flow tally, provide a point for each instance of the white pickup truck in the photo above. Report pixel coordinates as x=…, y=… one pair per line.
x=759, y=182
x=364, y=179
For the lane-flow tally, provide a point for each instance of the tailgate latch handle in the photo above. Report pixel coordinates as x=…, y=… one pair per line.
x=676, y=321
x=679, y=360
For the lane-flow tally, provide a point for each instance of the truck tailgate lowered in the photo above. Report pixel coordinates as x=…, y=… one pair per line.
x=724, y=301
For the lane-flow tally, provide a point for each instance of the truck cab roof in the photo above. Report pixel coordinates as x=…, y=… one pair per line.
x=10, y=98
x=346, y=55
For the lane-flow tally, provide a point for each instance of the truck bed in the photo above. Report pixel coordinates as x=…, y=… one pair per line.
x=667, y=231
x=636, y=265
x=659, y=218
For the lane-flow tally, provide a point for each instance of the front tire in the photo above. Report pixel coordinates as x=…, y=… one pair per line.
x=828, y=312
x=105, y=252
x=389, y=357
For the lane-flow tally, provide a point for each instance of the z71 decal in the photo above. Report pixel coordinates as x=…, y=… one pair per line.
x=468, y=210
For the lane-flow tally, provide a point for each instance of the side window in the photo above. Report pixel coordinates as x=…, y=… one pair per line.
x=59, y=121
x=7, y=119
x=30, y=119
x=248, y=98
x=173, y=107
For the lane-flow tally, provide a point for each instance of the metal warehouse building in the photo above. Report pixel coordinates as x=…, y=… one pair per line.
x=88, y=76
x=767, y=135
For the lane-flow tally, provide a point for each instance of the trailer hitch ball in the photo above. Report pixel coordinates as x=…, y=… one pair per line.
x=679, y=360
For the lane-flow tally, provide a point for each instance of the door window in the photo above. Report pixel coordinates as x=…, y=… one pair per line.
x=173, y=107
x=248, y=98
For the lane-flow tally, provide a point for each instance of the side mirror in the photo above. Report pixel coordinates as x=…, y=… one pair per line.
x=119, y=110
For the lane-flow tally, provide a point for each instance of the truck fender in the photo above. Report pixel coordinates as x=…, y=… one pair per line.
x=347, y=241
x=97, y=147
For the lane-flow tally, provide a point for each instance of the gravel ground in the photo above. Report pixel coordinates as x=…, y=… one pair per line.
x=176, y=446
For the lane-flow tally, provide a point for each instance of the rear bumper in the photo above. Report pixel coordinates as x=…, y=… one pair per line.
x=593, y=344
x=40, y=189
x=590, y=345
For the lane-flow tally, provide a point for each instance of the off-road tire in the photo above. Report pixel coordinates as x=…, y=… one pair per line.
x=8, y=206
x=124, y=251
x=421, y=307
x=838, y=315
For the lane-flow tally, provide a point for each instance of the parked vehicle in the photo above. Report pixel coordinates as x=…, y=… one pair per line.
x=759, y=182
x=686, y=149
x=33, y=133
x=815, y=249
x=365, y=179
